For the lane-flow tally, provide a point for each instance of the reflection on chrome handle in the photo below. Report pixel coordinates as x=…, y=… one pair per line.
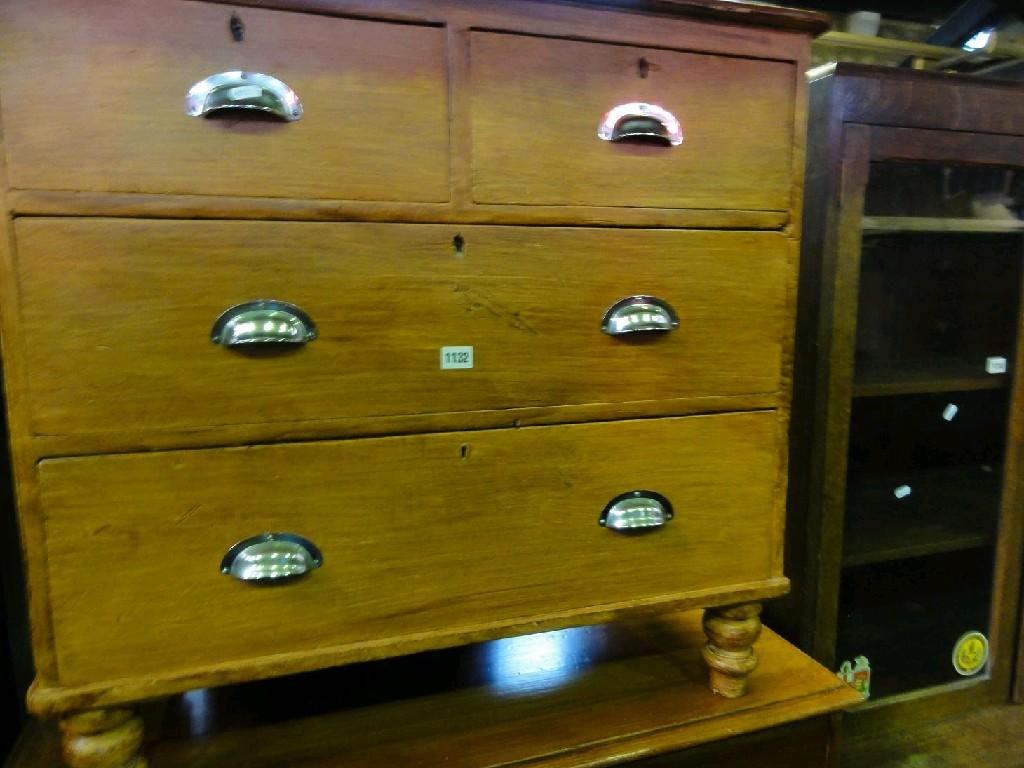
x=639, y=314
x=636, y=511
x=639, y=121
x=263, y=322
x=243, y=90
x=271, y=558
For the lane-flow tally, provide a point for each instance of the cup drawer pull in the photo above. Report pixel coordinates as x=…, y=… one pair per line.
x=637, y=121
x=243, y=90
x=636, y=511
x=639, y=314
x=271, y=558
x=264, y=321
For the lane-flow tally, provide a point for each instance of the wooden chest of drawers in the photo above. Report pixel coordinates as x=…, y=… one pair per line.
x=435, y=304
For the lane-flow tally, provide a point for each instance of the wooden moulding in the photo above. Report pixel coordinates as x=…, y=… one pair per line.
x=586, y=697
x=760, y=14
x=59, y=203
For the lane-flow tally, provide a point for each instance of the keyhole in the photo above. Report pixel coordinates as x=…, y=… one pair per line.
x=464, y=451
x=459, y=244
x=643, y=68
x=237, y=28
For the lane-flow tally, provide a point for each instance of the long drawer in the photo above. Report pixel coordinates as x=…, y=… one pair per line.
x=117, y=317
x=95, y=100
x=419, y=536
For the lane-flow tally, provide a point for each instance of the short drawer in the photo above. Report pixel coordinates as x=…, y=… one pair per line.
x=117, y=317
x=537, y=104
x=421, y=536
x=94, y=96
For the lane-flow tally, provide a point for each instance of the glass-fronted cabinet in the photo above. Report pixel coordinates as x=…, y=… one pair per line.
x=905, y=528
x=936, y=327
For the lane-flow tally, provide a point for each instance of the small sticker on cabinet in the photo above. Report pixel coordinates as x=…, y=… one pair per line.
x=857, y=674
x=995, y=365
x=970, y=653
x=455, y=358
x=902, y=491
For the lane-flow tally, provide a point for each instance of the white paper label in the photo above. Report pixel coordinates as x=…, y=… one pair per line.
x=995, y=365
x=950, y=411
x=242, y=92
x=901, y=491
x=456, y=357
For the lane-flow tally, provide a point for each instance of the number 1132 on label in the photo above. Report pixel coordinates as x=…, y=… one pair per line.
x=456, y=357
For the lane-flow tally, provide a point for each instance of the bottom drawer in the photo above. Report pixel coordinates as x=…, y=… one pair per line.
x=421, y=535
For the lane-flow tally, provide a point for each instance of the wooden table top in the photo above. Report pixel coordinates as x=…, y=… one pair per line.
x=578, y=697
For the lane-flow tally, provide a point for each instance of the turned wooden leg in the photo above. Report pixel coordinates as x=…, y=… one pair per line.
x=102, y=738
x=729, y=653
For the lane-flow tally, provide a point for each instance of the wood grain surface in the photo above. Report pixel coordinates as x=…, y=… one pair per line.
x=536, y=104
x=421, y=535
x=106, y=325
x=364, y=153
x=125, y=309
x=98, y=104
x=972, y=736
x=586, y=697
x=907, y=98
x=810, y=743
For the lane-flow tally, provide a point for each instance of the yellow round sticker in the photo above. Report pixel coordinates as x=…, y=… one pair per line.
x=970, y=653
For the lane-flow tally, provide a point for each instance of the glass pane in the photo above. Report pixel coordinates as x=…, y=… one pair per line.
x=906, y=616
x=936, y=303
x=923, y=474
x=979, y=193
x=937, y=321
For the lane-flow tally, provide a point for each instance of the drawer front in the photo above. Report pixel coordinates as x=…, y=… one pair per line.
x=94, y=100
x=537, y=104
x=125, y=309
x=419, y=534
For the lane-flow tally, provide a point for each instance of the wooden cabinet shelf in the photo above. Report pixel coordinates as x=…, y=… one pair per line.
x=878, y=225
x=934, y=518
x=873, y=380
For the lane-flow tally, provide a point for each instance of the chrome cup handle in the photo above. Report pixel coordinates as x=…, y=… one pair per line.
x=636, y=511
x=639, y=121
x=639, y=314
x=264, y=321
x=271, y=558
x=243, y=90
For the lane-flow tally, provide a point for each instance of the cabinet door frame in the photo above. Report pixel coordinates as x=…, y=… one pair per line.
x=860, y=145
